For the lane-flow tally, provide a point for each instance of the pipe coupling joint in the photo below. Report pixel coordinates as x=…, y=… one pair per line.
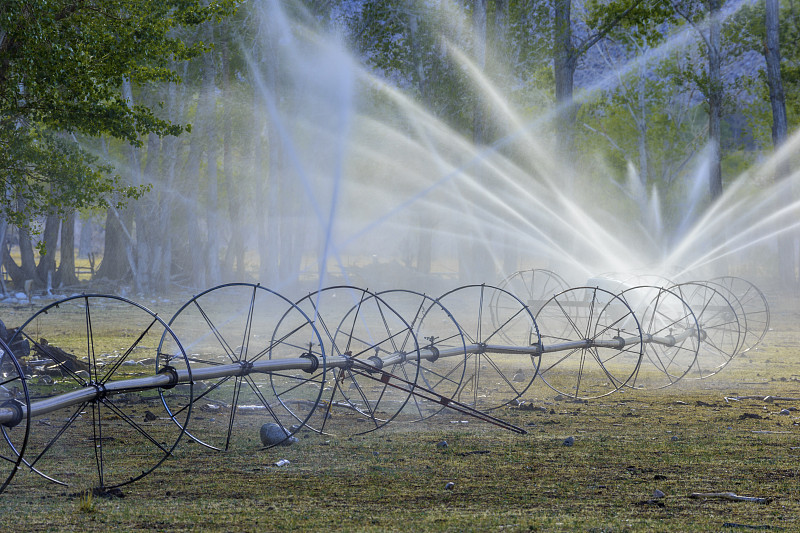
x=173, y=376
x=16, y=406
x=314, y=362
x=245, y=368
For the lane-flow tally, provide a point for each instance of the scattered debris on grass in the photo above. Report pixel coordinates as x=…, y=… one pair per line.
x=729, y=496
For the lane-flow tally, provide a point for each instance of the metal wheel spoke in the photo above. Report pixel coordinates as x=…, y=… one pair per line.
x=196, y=399
x=257, y=393
x=127, y=352
x=97, y=441
x=569, y=319
x=580, y=373
x=443, y=377
x=57, y=436
x=128, y=420
x=500, y=373
x=480, y=315
x=248, y=326
x=279, y=342
x=300, y=382
x=90, y=341
x=217, y=334
x=353, y=322
x=45, y=349
x=504, y=324
x=237, y=385
x=567, y=355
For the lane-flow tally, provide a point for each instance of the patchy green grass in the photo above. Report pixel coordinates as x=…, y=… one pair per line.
x=680, y=441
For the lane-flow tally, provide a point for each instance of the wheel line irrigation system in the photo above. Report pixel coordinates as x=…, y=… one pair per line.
x=104, y=372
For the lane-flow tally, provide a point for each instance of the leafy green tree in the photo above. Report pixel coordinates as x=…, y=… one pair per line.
x=602, y=18
x=62, y=64
x=772, y=28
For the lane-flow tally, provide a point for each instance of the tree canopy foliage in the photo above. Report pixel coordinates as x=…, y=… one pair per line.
x=62, y=64
x=628, y=83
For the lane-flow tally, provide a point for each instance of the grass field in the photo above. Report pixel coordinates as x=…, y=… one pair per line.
x=692, y=438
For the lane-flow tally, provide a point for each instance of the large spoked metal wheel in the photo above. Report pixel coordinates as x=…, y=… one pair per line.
x=592, y=343
x=366, y=341
x=236, y=336
x=534, y=287
x=671, y=336
x=720, y=328
x=442, y=347
x=15, y=404
x=492, y=318
x=96, y=409
x=626, y=280
x=754, y=306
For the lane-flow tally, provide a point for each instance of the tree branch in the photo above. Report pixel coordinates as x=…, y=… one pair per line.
x=603, y=31
x=686, y=16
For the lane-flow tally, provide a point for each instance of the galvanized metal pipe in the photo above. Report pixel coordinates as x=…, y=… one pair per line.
x=92, y=392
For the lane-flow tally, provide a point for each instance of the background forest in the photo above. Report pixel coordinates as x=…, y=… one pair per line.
x=185, y=144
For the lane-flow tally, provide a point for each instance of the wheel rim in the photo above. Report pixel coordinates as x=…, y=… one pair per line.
x=13, y=394
x=663, y=314
x=490, y=315
x=356, y=324
x=592, y=317
x=244, y=324
x=435, y=329
x=720, y=328
x=754, y=306
x=105, y=339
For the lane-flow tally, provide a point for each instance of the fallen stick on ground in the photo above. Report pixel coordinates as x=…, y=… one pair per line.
x=762, y=398
x=729, y=496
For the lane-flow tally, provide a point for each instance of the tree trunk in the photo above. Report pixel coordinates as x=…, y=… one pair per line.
x=85, y=246
x=501, y=48
x=787, y=269
x=641, y=127
x=212, y=198
x=146, y=211
x=714, y=101
x=46, y=269
x=15, y=271
x=235, y=252
x=479, y=24
x=66, y=269
x=191, y=206
x=564, y=64
x=135, y=170
x=26, y=270
x=260, y=200
x=115, y=265
x=425, y=240
x=27, y=261
x=772, y=54
x=3, y=251
x=479, y=255
x=172, y=150
x=269, y=233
